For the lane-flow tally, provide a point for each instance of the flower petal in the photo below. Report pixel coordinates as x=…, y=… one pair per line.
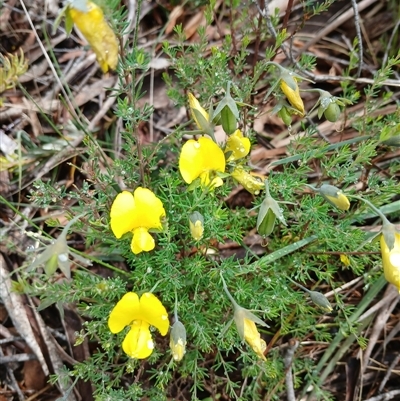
x=142, y=241
x=154, y=312
x=138, y=343
x=391, y=260
x=237, y=145
x=125, y=312
x=148, y=209
x=122, y=213
x=253, y=338
x=195, y=106
x=200, y=156
x=293, y=96
x=98, y=33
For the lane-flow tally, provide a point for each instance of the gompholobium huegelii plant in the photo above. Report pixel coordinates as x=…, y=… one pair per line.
x=162, y=227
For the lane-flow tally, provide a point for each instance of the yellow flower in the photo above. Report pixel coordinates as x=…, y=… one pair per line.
x=391, y=254
x=291, y=90
x=334, y=196
x=139, y=314
x=345, y=259
x=196, y=225
x=137, y=213
x=97, y=32
x=201, y=159
x=200, y=116
x=237, y=146
x=178, y=341
x=245, y=324
x=249, y=182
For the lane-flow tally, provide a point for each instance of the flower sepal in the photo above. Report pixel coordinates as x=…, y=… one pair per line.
x=269, y=212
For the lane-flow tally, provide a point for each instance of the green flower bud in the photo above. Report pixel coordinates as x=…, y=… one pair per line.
x=268, y=213
x=228, y=120
x=332, y=112
x=284, y=114
x=334, y=196
x=320, y=300
x=178, y=341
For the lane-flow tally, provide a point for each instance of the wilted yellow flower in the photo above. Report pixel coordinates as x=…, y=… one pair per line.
x=139, y=314
x=291, y=90
x=137, y=213
x=97, y=32
x=237, y=146
x=196, y=225
x=178, y=340
x=249, y=182
x=390, y=248
x=201, y=159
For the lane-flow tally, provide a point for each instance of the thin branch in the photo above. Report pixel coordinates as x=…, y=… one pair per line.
x=288, y=360
x=359, y=36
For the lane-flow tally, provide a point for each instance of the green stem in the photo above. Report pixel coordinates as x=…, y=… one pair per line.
x=373, y=207
x=299, y=285
x=227, y=292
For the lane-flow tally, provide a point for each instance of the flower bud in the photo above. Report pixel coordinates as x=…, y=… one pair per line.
x=332, y=112
x=291, y=90
x=320, y=300
x=196, y=224
x=284, y=114
x=390, y=249
x=200, y=116
x=268, y=213
x=228, y=110
x=228, y=120
x=334, y=196
x=178, y=341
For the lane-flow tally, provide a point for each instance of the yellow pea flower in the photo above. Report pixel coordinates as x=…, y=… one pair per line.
x=290, y=88
x=139, y=314
x=201, y=159
x=249, y=182
x=97, y=32
x=390, y=249
x=246, y=325
x=237, y=146
x=137, y=213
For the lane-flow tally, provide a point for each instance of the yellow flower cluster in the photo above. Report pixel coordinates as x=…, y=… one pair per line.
x=204, y=160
